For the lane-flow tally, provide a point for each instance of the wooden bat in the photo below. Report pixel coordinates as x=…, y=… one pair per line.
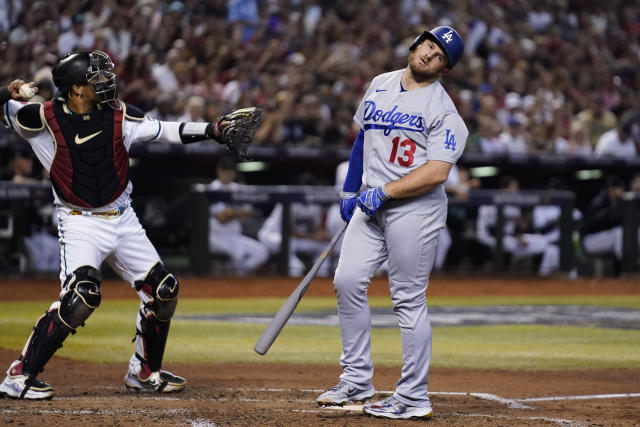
x=282, y=316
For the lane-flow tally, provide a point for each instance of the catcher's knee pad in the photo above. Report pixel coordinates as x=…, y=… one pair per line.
x=161, y=293
x=82, y=296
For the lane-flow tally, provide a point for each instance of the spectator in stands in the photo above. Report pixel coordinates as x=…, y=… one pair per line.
x=514, y=137
x=194, y=110
x=596, y=120
x=75, y=39
x=576, y=145
x=512, y=110
x=621, y=141
x=225, y=226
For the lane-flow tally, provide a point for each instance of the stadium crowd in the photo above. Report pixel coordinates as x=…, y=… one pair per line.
x=543, y=78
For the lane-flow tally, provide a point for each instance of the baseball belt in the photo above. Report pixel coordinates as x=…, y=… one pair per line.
x=106, y=214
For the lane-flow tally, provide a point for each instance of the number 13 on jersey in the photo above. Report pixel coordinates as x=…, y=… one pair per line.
x=402, y=151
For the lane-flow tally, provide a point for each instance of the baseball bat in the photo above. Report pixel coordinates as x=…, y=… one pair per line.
x=282, y=316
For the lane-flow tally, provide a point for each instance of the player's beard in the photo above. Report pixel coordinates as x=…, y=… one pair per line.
x=422, y=75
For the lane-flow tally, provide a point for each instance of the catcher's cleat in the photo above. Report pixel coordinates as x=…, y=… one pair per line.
x=343, y=393
x=393, y=408
x=157, y=382
x=19, y=386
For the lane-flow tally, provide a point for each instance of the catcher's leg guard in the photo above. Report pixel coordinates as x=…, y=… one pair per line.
x=81, y=297
x=159, y=297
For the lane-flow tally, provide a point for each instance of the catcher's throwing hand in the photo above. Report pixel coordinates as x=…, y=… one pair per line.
x=14, y=89
x=372, y=199
x=237, y=129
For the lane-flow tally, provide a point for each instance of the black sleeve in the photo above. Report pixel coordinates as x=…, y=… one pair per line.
x=28, y=117
x=134, y=113
x=5, y=95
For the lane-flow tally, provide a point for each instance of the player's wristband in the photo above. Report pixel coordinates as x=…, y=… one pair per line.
x=194, y=132
x=5, y=95
x=383, y=195
x=348, y=195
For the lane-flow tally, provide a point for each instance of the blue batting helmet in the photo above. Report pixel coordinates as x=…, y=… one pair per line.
x=447, y=38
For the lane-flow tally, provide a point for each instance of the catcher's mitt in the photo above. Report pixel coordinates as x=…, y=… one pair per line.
x=237, y=129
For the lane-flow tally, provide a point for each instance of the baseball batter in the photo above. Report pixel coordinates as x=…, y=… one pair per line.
x=82, y=139
x=410, y=136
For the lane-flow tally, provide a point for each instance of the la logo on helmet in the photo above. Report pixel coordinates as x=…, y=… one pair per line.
x=448, y=36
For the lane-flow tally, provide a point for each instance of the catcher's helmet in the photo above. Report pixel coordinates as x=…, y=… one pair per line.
x=447, y=38
x=93, y=68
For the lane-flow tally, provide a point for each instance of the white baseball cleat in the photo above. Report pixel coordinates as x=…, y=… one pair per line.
x=343, y=393
x=393, y=408
x=19, y=386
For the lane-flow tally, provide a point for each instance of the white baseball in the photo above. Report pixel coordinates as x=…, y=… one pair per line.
x=26, y=91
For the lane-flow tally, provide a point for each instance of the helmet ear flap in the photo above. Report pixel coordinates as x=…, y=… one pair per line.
x=417, y=41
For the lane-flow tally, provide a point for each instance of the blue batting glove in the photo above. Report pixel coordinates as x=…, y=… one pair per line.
x=371, y=200
x=348, y=204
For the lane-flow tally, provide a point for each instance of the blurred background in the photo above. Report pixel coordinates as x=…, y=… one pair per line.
x=550, y=93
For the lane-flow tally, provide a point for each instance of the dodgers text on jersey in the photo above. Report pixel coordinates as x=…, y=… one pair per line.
x=390, y=119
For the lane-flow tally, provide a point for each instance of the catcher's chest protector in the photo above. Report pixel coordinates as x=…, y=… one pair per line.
x=90, y=167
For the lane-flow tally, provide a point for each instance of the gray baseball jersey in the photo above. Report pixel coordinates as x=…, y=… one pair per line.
x=403, y=130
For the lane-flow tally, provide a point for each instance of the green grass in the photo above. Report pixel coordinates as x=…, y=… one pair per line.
x=107, y=336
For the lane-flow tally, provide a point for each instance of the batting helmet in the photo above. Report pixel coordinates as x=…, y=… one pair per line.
x=447, y=38
x=92, y=68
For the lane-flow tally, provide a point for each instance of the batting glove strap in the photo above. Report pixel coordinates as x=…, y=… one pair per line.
x=372, y=199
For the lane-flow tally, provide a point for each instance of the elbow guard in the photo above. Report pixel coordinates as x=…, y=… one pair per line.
x=194, y=132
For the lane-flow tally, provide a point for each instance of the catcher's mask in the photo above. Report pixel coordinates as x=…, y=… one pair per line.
x=93, y=68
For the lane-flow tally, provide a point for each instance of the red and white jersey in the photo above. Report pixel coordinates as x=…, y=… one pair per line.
x=135, y=129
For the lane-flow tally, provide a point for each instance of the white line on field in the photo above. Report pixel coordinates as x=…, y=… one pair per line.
x=512, y=403
x=88, y=411
x=584, y=397
x=560, y=421
x=200, y=423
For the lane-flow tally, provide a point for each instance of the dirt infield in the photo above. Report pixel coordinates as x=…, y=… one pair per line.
x=269, y=394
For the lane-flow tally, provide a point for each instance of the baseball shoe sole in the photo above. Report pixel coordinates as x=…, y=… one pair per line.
x=342, y=394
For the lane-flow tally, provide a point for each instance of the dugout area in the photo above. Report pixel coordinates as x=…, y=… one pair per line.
x=482, y=375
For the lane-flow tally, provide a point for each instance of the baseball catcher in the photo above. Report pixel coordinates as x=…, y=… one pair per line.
x=82, y=138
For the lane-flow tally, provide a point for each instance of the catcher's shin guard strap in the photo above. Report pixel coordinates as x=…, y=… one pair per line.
x=45, y=340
